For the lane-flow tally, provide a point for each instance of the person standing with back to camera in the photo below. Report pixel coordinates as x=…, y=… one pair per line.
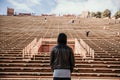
x=62, y=59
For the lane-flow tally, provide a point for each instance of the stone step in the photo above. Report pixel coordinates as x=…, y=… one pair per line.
x=99, y=61
x=48, y=69
x=48, y=65
x=50, y=74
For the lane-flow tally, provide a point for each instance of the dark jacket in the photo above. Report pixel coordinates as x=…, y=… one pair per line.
x=62, y=57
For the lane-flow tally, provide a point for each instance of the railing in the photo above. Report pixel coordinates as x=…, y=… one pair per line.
x=90, y=51
x=31, y=49
x=79, y=49
x=36, y=47
x=83, y=49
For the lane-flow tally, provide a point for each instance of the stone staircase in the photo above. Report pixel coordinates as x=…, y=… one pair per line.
x=13, y=66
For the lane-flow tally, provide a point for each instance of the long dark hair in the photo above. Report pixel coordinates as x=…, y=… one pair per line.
x=62, y=39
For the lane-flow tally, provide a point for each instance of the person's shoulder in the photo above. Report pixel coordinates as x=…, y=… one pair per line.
x=68, y=47
x=55, y=47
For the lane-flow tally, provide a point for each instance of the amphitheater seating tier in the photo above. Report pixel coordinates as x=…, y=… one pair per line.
x=18, y=32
